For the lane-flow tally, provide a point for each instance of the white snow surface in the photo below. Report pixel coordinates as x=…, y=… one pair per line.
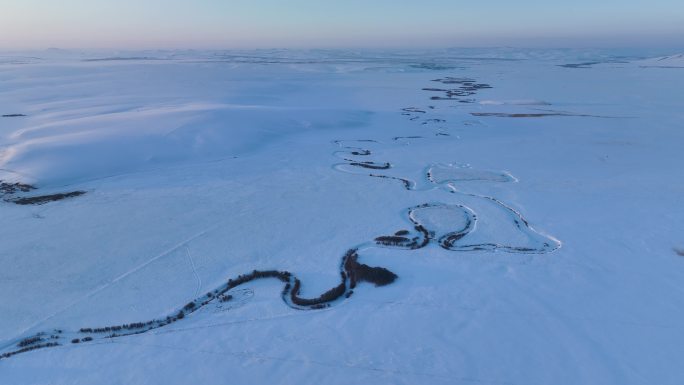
x=200, y=166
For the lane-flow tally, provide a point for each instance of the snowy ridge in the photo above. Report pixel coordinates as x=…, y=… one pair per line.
x=672, y=61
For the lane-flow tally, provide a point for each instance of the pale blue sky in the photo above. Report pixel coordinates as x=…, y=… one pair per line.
x=337, y=23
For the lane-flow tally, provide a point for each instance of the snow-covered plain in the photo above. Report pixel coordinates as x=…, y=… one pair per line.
x=550, y=183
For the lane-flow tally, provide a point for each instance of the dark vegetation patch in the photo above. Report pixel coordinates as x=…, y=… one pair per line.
x=30, y=340
x=358, y=151
x=84, y=339
x=533, y=115
x=401, y=238
x=670, y=67
x=392, y=240
x=593, y=63
x=579, y=65
x=413, y=110
x=12, y=188
x=507, y=115
x=409, y=185
x=452, y=80
x=225, y=298
x=448, y=240
x=361, y=140
x=403, y=242
x=376, y=275
x=291, y=290
x=433, y=121
x=28, y=349
x=460, y=100
x=329, y=296
x=9, y=191
x=362, y=152
x=466, y=84
x=43, y=199
x=434, y=66
x=372, y=165
x=426, y=238
x=466, y=87
x=358, y=272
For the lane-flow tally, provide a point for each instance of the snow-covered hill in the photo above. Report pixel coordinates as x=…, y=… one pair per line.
x=413, y=218
x=672, y=61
